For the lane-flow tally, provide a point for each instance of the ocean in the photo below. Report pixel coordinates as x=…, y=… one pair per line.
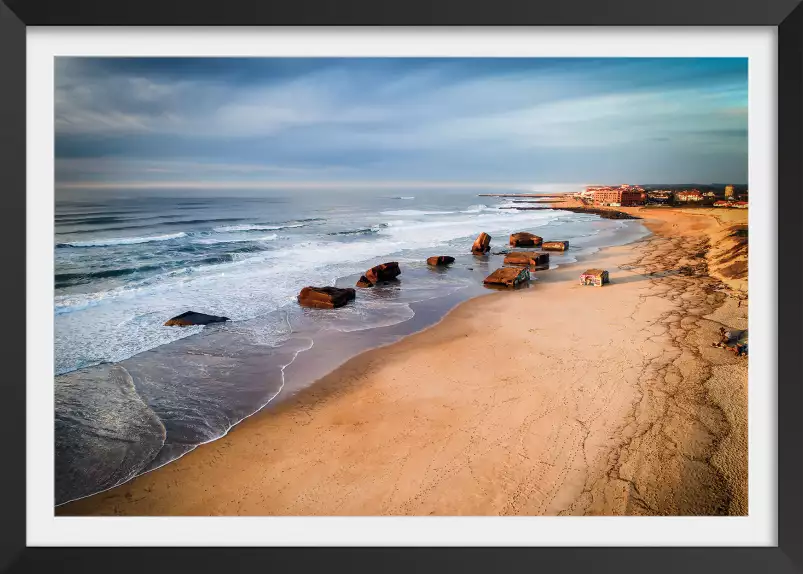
x=132, y=395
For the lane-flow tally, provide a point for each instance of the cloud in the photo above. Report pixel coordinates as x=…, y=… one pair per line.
x=393, y=117
x=119, y=170
x=124, y=105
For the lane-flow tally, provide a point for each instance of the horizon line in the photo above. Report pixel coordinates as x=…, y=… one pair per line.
x=389, y=184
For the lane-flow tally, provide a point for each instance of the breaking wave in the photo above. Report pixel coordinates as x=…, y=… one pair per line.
x=250, y=227
x=70, y=279
x=363, y=231
x=211, y=241
x=414, y=212
x=478, y=208
x=122, y=240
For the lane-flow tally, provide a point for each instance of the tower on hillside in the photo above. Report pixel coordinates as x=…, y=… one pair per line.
x=728, y=191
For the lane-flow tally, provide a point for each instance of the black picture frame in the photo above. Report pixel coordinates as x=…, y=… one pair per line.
x=786, y=15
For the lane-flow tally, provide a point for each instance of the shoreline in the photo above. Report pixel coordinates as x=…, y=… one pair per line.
x=273, y=375
x=151, y=493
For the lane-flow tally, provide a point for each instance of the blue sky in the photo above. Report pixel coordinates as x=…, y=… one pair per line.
x=154, y=122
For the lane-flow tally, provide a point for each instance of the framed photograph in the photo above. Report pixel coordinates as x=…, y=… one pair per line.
x=447, y=286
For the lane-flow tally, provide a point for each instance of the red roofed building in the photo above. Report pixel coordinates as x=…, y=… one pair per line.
x=740, y=204
x=624, y=196
x=722, y=203
x=687, y=196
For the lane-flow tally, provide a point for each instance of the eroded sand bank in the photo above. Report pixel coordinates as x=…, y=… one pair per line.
x=558, y=399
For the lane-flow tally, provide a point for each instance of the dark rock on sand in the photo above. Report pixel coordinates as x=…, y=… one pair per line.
x=192, y=318
x=524, y=239
x=384, y=272
x=440, y=260
x=482, y=244
x=555, y=245
x=507, y=277
x=363, y=282
x=603, y=213
x=325, y=297
x=527, y=259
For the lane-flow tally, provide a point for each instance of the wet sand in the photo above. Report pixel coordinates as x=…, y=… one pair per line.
x=557, y=399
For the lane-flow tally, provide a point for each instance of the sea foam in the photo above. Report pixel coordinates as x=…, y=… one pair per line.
x=213, y=241
x=250, y=227
x=122, y=240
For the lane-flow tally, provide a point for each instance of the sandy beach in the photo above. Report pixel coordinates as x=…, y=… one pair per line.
x=554, y=400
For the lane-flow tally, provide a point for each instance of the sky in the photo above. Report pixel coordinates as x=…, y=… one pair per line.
x=252, y=122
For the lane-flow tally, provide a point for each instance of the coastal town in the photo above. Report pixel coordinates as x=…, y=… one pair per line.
x=626, y=195
x=635, y=195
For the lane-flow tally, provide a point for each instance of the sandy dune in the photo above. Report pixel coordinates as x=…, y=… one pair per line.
x=558, y=399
